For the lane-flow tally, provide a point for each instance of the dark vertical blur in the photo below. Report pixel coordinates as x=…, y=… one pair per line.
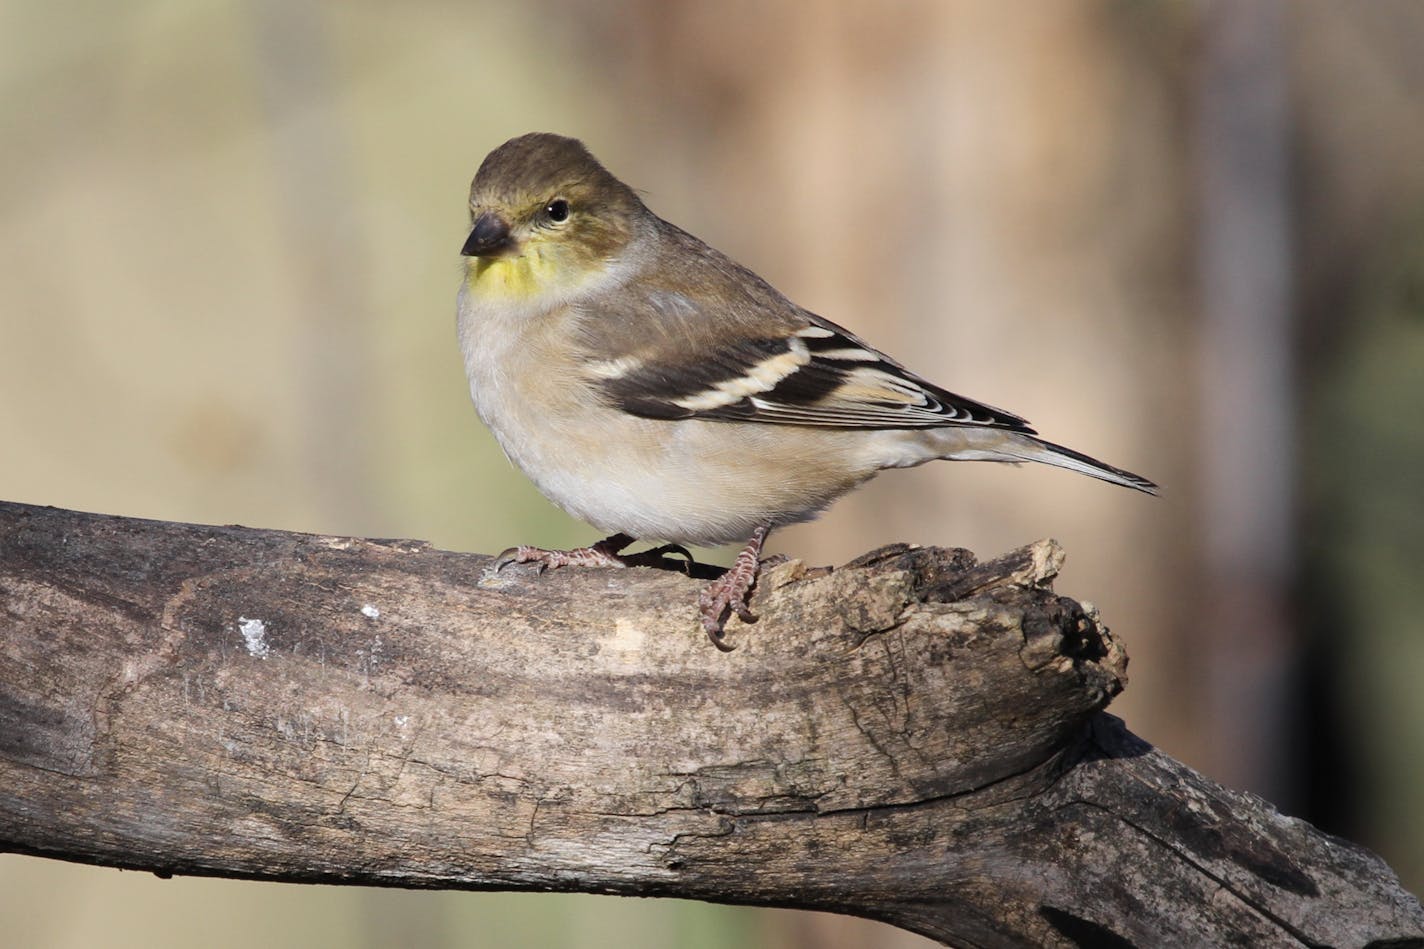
x=1247, y=392
x=1358, y=144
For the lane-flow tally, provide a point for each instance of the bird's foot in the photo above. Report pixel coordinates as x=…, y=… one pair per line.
x=605, y=553
x=728, y=593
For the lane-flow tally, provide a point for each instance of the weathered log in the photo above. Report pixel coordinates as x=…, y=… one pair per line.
x=914, y=737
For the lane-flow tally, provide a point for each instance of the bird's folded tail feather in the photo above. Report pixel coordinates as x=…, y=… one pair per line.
x=1015, y=447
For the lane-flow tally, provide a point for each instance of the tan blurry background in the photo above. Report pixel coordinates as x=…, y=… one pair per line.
x=1187, y=238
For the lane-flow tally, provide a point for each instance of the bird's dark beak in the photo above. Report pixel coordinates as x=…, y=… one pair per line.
x=490, y=237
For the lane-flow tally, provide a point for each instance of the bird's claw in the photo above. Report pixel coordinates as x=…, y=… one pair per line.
x=505, y=558
x=723, y=597
x=728, y=593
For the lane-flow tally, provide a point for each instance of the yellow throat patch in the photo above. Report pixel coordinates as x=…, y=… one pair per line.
x=536, y=271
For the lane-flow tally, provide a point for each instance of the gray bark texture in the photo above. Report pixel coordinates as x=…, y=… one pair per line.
x=915, y=737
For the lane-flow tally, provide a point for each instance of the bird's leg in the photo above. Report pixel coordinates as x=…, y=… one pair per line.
x=728, y=593
x=605, y=553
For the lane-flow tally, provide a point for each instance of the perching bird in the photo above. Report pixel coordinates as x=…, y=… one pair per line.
x=656, y=389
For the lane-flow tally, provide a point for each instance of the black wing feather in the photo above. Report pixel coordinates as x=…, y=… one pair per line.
x=822, y=375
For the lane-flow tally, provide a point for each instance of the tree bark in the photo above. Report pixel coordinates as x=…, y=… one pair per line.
x=914, y=737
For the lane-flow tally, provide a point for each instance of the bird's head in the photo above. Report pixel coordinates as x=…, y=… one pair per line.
x=546, y=218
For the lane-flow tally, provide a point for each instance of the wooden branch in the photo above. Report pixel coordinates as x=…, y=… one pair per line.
x=914, y=737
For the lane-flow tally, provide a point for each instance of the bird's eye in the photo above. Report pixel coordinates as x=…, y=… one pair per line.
x=557, y=210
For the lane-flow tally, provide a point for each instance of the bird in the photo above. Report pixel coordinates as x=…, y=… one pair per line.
x=654, y=388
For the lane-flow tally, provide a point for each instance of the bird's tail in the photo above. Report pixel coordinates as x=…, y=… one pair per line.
x=998, y=445
x=1051, y=454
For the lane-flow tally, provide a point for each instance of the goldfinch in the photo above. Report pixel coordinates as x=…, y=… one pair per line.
x=656, y=389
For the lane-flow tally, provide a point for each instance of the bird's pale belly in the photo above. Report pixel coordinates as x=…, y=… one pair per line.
x=673, y=480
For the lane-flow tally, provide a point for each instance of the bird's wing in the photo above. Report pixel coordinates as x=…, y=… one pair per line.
x=797, y=371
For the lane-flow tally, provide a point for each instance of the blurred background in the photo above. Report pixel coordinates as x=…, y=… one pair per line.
x=1185, y=237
